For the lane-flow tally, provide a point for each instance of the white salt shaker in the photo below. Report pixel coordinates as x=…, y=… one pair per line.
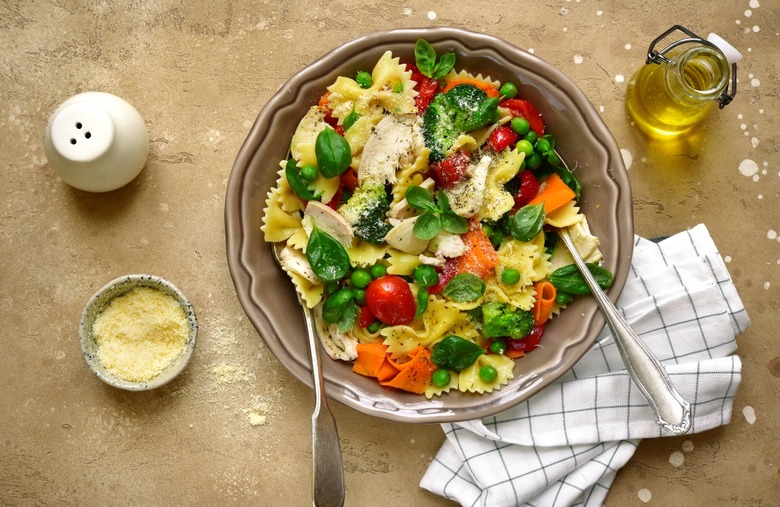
x=96, y=142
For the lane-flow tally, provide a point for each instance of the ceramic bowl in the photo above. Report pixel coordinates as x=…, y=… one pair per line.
x=102, y=298
x=584, y=142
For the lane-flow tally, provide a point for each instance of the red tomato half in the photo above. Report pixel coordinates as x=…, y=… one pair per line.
x=391, y=300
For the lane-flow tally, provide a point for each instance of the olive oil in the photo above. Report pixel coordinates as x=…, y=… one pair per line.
x=668, y=99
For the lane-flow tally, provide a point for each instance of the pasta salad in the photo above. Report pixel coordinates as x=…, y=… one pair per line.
x=417, y=211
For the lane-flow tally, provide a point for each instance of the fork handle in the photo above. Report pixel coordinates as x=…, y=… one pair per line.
x=328, y=488
x=672, y=411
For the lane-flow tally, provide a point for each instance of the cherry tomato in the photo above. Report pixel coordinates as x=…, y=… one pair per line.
x=366, y=317
x=502, y=137
x=390, y=300
x=525, y=109
x=426, y=88
x=450, y=170
x=525, y=344
x=529, y=187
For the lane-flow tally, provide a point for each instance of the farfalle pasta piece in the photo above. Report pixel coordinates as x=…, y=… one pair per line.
x=518, y=295
x=497, y=201
x=363, y=254
x=529, y=258
x=278, y=224
x=401, y=263
x=440, y=320
x=470, y=381
x=392, y=89
x=565, y=216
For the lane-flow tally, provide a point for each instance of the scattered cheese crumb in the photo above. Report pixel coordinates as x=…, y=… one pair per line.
x=140, y=333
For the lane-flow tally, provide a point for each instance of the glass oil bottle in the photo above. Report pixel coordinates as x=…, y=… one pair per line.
x=680, y=84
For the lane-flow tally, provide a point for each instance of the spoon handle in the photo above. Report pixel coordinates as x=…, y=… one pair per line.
x=328, y=489
x=673, y=412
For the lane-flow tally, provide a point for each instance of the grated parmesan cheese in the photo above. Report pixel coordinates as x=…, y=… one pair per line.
x=140, y=333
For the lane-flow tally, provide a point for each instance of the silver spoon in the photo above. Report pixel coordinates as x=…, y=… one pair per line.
x=673, y=412
x=328, y=489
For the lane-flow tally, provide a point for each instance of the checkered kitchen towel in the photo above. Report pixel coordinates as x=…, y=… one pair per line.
x=565, y=444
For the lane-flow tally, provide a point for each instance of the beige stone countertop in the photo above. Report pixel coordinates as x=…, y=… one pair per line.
x=234, y=428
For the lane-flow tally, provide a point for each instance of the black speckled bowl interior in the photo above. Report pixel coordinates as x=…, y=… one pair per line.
x=584, y=142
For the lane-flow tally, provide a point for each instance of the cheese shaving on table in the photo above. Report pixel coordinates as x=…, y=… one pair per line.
x=140, y=333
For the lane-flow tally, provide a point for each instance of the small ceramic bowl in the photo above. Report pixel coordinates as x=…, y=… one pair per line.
x=100, y=301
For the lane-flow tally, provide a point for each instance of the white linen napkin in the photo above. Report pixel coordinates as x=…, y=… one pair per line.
x=565, y=445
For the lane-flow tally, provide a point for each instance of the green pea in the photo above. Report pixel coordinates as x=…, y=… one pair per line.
x=360, y=278
x=531, y=137
x=496, y=238
x=377, y=271
x=510, y=276
x=520, y=126
x=374, y=327
x=534, y=161
x=525, y=146
x=359, y=295
x=508, y=90
x=542, y=145
x=488, y=374
x=364, y=79
x=425, y=275
x=309, y=172
x=563, y=298
x=440, y=378
x=487, y=229
x=498, y=346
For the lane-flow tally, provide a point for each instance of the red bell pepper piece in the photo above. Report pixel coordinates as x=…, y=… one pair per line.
x=525, y=109
x=502, y=137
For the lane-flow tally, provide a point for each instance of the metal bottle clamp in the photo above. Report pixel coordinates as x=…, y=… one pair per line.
x=658, y=57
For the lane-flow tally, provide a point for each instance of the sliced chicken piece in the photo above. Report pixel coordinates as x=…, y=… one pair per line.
x=295, y=261
x=449, y=245
x=467, y=195
x=402, y=237
x=436, y=262
x=336, y=344
x=396, y=140
x=327, y=220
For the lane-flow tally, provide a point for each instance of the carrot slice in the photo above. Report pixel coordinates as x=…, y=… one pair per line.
x=416, y=375
x=554, y=194
x=370, y=358
x=482, y=85
x=545, y=298
x=480, y=257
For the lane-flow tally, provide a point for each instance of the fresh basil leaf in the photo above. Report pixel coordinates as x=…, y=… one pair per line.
x=443, y=66
x=348, y=317
x=464, y=287
x=455, y=353
x=333, y=153
x=569, y=279
x=425, y=57
x=422, y=301
x=299, y=186
x=527, y=222
x=328, y=258
x=482, y=116
x=420, y=198
x=350, y=120
x=454, y=223
x=426, y=226
x=334, y=306
x=442, y=201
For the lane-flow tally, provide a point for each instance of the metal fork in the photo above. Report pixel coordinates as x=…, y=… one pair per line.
x=328, y=489
x=672, y=411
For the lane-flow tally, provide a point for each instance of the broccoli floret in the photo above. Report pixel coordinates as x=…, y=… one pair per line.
x=499, y=319
x=448, y=115
x=365, y=211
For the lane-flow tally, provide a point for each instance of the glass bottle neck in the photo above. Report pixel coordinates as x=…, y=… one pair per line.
x=697, y=75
